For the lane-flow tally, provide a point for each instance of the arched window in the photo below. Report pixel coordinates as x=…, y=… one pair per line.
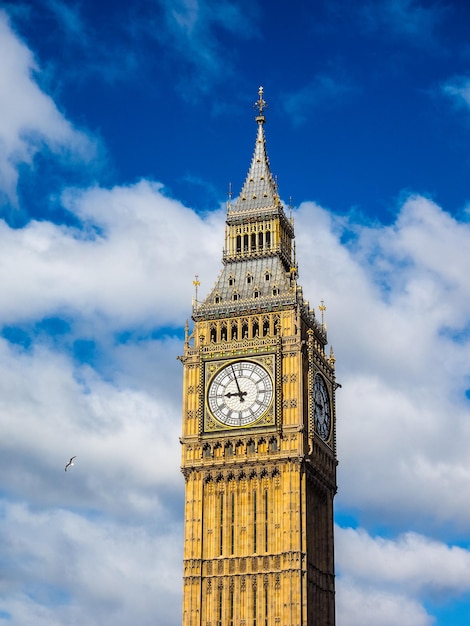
x=213, y=333
x=265, y=326
x=268, y=239
x=276, y=322
x=239, y=244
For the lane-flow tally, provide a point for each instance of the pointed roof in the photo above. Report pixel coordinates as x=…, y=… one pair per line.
x=259, y=192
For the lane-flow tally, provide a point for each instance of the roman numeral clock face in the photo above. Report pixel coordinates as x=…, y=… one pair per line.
x=240, y=394
x=321, y=408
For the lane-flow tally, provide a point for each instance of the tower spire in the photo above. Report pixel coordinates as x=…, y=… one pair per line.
x=258, y=254
x=259, y=192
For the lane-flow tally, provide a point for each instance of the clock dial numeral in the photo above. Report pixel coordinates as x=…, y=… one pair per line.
x=240, y=393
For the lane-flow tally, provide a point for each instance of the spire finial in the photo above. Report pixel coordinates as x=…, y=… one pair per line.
x=196, y=284
x=332, y=357
x=322, y=308
x=260, y=104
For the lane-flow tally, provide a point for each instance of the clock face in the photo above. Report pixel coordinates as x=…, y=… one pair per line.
x=321, y=410
x=240, y=393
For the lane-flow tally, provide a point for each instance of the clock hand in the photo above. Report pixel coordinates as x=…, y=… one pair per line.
x=237, y=393
x=240, y=394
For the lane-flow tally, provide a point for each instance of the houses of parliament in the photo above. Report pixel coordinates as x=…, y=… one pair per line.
x=258, y=428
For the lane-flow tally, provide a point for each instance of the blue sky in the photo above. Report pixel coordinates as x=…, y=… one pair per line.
x=121, y=127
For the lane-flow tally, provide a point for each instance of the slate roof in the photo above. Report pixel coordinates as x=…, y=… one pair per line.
x=252, y=283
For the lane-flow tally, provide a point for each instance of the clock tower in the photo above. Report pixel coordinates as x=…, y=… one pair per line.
x=258, y=438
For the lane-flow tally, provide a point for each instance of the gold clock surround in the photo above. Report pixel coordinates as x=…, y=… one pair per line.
x=266, y=417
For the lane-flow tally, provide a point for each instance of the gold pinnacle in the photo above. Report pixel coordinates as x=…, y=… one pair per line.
x=196, y=284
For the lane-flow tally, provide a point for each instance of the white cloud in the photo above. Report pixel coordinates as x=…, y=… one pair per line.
x=367, y=606
x=410, y=564
x=125, y=438
x=62, y=568
x=30, y=119
x=389, y=581
x=138, y=268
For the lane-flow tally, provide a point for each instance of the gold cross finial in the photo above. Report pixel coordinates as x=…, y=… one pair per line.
x=196, y=284
x=260, y=104
x=322, y=308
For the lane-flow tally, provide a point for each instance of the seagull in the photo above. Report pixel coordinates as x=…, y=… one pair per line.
x=70, y=462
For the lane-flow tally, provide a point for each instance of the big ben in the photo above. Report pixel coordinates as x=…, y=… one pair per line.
x=259, y=429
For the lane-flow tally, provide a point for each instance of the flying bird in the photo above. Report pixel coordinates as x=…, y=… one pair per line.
x=70, y=462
